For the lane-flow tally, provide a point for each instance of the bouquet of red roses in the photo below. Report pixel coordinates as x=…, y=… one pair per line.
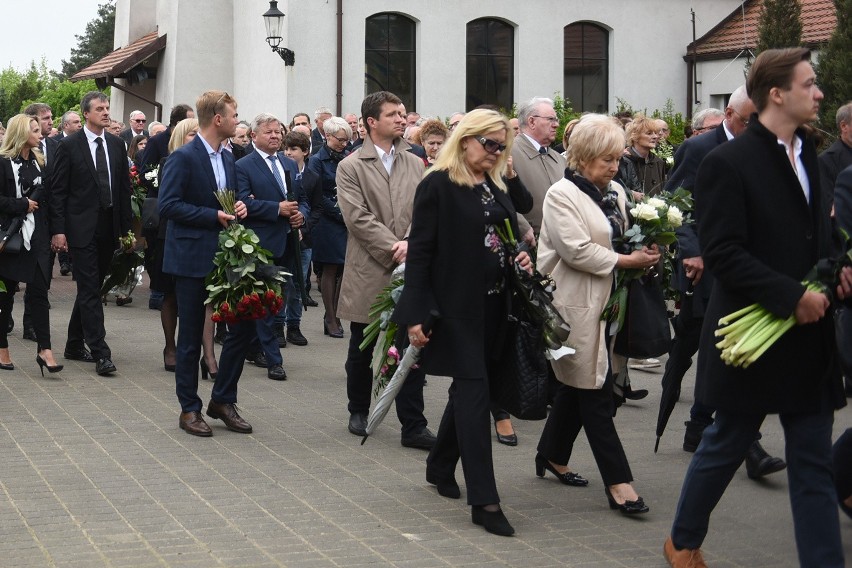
x=138, y=192
x=244, y=284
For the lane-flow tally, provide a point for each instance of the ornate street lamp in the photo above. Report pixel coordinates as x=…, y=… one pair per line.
x=274, y=21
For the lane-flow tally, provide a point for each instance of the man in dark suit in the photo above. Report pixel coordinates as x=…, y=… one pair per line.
x=90, y=210
x=843, y=217
x=763, y=224
x=158, y=145
x=838, y=156
x=264, y=178
x=135, y=128
x=69, y=124
x=317, y=135
x=191, y=175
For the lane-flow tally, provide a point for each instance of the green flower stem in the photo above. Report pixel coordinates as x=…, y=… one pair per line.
x=738, y=314
x=782, y=329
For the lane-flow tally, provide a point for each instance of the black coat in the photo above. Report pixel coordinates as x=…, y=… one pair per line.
x=21, y=267
x=834, y=160
x=445, y=270
x=328, y=234
x=760, y=238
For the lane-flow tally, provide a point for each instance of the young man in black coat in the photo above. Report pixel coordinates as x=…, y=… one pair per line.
x=763, y=224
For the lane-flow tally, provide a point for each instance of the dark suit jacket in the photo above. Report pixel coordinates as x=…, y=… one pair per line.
x=21, y=267
x=445, y=242
x=127, y=135
x=316, y=141
x=760, y=238
x=843, y=200
x=255, y=178
x=188, y=203
x=75, y=195
x=834, y=160
x=156, y=149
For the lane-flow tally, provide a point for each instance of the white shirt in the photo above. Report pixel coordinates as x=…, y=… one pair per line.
x=387, y=157
x=93, y=147
x=278, y=165
x=535, y=144
x=728, y=133
x=797, y=164
x=217, y=162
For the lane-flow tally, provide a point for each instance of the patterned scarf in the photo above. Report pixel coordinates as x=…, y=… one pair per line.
x=607, y=201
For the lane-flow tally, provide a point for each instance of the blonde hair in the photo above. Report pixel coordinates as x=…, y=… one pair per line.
x=641, y=124
x=474, y=124
x=595, y=135
x=17, y=134
x=180, y=131
x=211, y=103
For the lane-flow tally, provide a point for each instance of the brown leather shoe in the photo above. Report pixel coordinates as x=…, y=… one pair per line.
x=194, y=424
x=227, y=413
x=685, y=558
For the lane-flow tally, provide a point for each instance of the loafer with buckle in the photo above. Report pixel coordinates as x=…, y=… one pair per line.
x=276, y=373
x=193, y=423
x=79, y=355
x=227, y=413
x=104, y=366
x=294, y=336
x=424, y=440
x=358, y=423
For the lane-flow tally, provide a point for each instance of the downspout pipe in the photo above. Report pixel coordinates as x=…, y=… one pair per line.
x=339, y=57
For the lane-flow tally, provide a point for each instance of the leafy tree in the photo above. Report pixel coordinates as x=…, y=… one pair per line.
x=780, y=24
x=95, y=42
x=834, y=70
x=64, y=96
x=17, y=86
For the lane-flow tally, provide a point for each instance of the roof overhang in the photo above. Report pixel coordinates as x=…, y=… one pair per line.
x=124, y=59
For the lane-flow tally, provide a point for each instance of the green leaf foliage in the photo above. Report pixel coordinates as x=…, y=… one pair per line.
x=780, y=25
x=96, y=41
x=834, y=68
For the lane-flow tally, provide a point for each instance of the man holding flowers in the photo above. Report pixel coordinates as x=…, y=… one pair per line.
x=764, y=224
x=191, y=176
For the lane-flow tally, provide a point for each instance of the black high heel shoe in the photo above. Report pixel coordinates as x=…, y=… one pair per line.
x=205, y=371
x=636, y=507
x=170, y=368
x=7, y=366
x=568, y=478
x=494, y=522
x=50, y=368
x=338, y=333
x=509, y=439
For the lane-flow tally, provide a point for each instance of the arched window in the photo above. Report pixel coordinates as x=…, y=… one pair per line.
x=490, y=63
x=390, y=56
x=587, y=67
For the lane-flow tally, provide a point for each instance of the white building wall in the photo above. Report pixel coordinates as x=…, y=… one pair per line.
x=221, y=44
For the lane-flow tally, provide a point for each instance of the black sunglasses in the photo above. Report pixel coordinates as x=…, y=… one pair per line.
x=491, y=146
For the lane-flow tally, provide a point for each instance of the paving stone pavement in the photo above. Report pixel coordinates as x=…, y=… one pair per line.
x=95, y=472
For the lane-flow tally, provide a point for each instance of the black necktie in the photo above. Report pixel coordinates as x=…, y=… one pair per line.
x=542, y=150
x=103, y=173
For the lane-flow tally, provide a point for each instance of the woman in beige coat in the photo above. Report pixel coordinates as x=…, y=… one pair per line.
x=582, y=214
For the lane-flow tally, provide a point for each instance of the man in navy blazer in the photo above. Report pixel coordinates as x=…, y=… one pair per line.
x=89, y=210
x=191, y=175
x=264, y=178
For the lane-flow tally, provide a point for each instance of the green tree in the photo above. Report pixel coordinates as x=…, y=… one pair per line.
x=834, y=69
x=95, y=42
x=17, y=87
x=780, y=24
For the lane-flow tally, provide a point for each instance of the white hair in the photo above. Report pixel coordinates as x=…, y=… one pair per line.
x=701, y=117
x=262, y=118
x=321, y=111
x=528, y=108
x=136, y=113
x=334, y=125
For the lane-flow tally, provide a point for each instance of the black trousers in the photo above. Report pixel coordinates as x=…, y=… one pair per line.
x=589, y=409
x=465, y=433
x=359, y=385
x=91, y=264
x=36, y=304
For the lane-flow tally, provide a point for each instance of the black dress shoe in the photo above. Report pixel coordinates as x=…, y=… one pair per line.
x=104, y=366
x=448, y=488
x=79, y=355
x=281, y=336
x=424, y=440
x=636, y=507
x=227, y=413
x=494, y=522
x=508, y=440
x=258, y=359
x=29, y=333
x=358, y=423
x=294, y=336
x=567, y=478
x=759, y=463
x=310, y=301
x=276, y=373
x=638, y=394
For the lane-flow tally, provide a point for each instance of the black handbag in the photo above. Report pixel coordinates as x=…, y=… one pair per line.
x=646, y=332
x=150, y=214
x=519, y=385
x=11, y=243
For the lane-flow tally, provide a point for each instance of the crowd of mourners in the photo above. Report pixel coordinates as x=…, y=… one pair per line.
x=342, y=201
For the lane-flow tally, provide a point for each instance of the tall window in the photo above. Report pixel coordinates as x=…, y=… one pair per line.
x=587, y=67
x=490, y=63
x=390, y=56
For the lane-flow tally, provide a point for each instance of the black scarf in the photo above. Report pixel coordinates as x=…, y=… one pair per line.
x=607, y=201
x=335, y=155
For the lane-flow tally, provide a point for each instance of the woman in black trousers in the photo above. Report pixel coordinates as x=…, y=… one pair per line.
x=457, y=266
x=24, y=195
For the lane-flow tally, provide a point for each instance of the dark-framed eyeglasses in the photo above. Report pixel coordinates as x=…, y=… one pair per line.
x=341, y=140
x=744, y=120
x=491, y=146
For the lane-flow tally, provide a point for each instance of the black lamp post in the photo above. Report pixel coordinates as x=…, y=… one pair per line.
x=274, y=21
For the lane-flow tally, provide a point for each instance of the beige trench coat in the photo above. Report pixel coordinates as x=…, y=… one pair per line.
x=377, y=211
x=575, y=247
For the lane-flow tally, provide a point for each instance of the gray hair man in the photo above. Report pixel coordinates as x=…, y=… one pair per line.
x=70, y=123
x=538, y=165
x=135, y=127
x=838, y=156
x=707, y=119
x=317, y=134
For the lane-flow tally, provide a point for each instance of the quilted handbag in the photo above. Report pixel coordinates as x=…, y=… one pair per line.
x=520, y=385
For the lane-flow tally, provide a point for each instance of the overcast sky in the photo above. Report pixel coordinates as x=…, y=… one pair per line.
x=35, y=28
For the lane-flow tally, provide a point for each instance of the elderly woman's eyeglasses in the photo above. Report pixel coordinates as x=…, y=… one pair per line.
x=491, y=146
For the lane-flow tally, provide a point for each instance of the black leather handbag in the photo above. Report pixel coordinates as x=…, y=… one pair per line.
x=150, y=214
x=11, y=240
x=646, y=332
x=520, y=384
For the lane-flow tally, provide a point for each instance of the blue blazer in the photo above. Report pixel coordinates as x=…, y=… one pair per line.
x=188, y=204
x=257, y=188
